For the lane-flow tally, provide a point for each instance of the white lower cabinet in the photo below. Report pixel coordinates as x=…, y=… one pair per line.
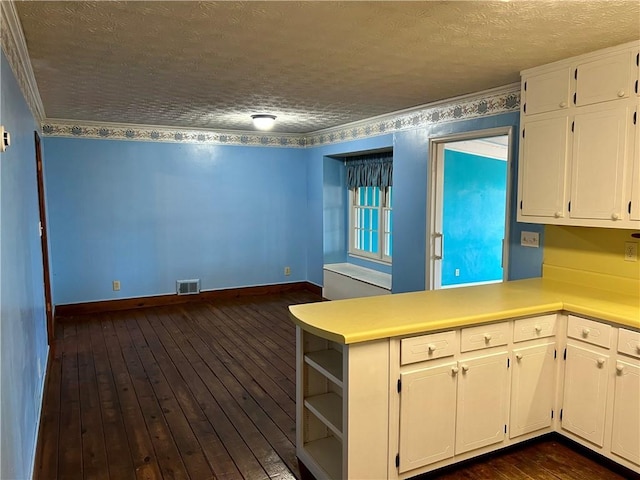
x=427, y=415
x=585, y=393
x=482, y=400
x=533, y=385
x=625, y=439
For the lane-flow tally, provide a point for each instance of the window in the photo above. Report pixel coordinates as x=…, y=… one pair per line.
x=370, y=222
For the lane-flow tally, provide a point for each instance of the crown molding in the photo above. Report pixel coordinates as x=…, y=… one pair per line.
x=15, y=48
x=481, y=104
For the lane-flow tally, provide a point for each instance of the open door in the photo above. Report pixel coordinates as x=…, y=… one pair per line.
x=43, y=240
x=468, y=227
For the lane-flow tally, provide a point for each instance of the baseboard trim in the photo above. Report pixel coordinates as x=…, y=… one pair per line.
x=37, y=443
x=74, y=309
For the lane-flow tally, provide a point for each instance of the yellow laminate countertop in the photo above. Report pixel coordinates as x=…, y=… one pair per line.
x=372, y=318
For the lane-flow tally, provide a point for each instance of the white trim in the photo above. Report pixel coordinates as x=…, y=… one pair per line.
x=39, y=416
x=362, y=274
x=15, y=48
x=480, y=148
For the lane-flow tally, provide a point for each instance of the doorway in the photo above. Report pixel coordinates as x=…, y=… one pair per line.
x=468, y=209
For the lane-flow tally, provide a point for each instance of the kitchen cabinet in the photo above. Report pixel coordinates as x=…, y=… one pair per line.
x=625, y=435
x=577, y=159
x=482, y=399
x=634, y=202
x=427, y=415
x=533, y=384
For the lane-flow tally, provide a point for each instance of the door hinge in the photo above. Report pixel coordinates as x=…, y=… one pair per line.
x=398, y=460
x=505, y=429
x=551, y=413
x=575, y=74
x=629, y=208
x=508, y=362
x=555, y=354
x=560, y=414
x=40, y=163
x=525, y=86
x=635, y=117
x=636, y=86
x=520, y=204
x=573, y=126
x=569, y=206
x=564, y=357
x=399, y=385
x=40, y=228
x=575, y=98
x=638, y=59
x=524, y=108
x=48, y=307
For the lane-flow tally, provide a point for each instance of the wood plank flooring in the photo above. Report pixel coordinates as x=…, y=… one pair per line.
x=204, y=390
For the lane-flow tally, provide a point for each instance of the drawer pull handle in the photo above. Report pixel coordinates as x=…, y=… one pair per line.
x=585, y=332
x=487, y=337
x=600, y=362
x=615, y=216
x=538, y=328
x=563, y=104
x=621, y=93
x=454, y=371
x=557, y=214
x=518, y=356
x=619, y=369
x=431, y=347
x=465, y=368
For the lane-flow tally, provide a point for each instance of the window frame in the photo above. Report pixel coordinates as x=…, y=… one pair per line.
x=386, y=195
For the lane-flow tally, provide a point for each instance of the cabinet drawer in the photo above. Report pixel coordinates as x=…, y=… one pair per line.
x=427, y=347
x=484, y=336
x=534, y=327
x=629, y=342
x=589, y=331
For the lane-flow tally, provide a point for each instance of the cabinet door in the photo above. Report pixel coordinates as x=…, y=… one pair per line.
x=546, y=92
x=585, y=393
x=427, y=416
x=600, y=146
x=625, y=439
x=605, y=79
x=543, y=167
x=634, y=205
x=532, y=388
x=482, y=400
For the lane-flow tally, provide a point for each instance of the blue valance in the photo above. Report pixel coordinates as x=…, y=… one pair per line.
x=373, y=170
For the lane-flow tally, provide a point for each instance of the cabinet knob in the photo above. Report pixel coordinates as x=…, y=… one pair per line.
x=563, y=104
x=619, y=369
x=600, y=362
x=454, y=371
x=487, y=337
x=537, y=328
x=585, y=332
x=431, y=347
x=557, y=214
x=615, y=216
x=621, y=93
x=518, y=356
x=465, y=368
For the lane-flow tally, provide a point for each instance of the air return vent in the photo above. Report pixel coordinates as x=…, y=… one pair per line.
x=187, y=287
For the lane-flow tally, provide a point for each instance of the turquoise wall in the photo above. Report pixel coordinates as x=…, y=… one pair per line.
x=148, y=214
x=474, y=201
x=23, y=333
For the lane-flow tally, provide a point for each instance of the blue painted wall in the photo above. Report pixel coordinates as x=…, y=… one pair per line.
x=149, y=214
x=23, y=335
x=474, y=199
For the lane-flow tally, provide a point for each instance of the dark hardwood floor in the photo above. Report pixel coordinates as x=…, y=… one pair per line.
x=205, y=390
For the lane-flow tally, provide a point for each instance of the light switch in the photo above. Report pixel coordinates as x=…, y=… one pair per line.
x=530, y=239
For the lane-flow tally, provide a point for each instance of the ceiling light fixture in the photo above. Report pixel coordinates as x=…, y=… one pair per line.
x=263, y=121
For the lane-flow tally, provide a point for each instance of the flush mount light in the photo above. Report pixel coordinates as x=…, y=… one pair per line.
x=263, y=121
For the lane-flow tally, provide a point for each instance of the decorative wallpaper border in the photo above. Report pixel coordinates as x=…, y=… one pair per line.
x=481, y=105
x=14, y=47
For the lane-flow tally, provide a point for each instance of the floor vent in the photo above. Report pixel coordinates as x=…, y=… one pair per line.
x=187, y=287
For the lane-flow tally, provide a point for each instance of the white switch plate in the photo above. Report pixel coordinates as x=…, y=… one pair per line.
x=116, y=285
x=631, y=251
x=287, y=271
x=530, y=239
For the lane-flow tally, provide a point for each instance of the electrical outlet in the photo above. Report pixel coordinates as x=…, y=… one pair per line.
x=631, y=251
x=530, y=239
x=116, y=285
x=287, y=271
x=457, y=272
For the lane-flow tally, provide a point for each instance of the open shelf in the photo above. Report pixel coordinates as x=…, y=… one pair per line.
x=328, y=408
x=327, y=454
x=327, y=362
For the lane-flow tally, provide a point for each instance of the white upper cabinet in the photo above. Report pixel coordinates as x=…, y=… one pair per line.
x=579, y=150
x=546, y=92
x=607, y=78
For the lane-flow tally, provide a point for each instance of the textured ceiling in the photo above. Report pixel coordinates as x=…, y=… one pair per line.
x=313, y=64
